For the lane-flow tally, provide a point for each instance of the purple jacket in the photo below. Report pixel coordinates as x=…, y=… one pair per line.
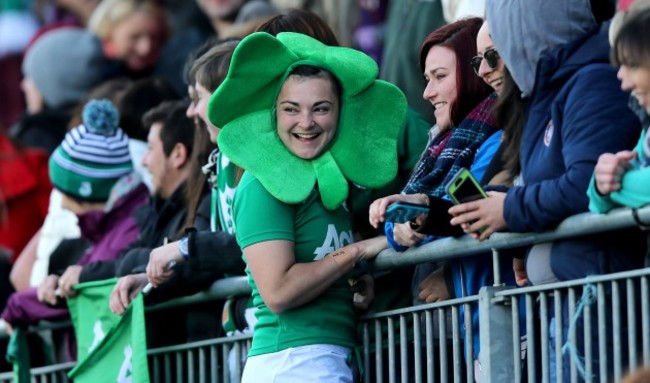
x=109, y=232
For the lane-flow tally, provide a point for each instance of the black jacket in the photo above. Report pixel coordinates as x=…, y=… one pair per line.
x=158, y=220
x=212, y=255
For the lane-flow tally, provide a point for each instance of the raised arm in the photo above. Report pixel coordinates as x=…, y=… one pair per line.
x=284, y=284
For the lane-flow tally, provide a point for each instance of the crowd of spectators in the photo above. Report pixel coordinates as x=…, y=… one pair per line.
x=139, y=134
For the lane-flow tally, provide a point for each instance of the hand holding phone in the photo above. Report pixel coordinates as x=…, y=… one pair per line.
x=463, y=187
x=401, y=212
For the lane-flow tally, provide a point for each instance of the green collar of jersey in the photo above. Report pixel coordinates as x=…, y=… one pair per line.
x=364, y=150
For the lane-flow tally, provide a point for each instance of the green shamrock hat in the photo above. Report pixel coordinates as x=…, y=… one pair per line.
x=364, y=149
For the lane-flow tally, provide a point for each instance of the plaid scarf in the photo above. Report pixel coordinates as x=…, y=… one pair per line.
x=449, y=152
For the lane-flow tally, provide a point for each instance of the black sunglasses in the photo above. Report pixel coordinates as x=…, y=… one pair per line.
x=491, y=56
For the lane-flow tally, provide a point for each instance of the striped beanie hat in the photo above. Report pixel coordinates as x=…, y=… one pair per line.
x=93, y=156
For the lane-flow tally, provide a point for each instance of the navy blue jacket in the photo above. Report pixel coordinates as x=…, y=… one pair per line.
x=577, y=112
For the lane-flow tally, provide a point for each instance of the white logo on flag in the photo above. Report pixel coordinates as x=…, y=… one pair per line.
x=99, y=335
x=126, y=374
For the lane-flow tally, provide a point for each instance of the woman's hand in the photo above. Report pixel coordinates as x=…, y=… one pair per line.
x=377, y=213
x=404, y=235
x=125, y=291
x=46, y=290
x=364, y=291
x=434, y=287
x=519, y=267
x=68, y=280
x=485, y=214
x=610, y=169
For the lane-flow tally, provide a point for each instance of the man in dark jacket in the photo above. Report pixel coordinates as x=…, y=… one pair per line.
x=170, y=140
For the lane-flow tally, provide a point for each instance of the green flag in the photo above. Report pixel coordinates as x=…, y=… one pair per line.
x=18, y=355
x=110, y=348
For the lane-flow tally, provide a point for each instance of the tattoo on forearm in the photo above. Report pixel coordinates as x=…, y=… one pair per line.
x=337, y=253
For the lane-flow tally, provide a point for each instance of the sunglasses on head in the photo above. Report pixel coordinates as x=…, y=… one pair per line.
x=491, y=56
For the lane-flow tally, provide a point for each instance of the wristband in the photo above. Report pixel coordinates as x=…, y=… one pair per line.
x=183, y=247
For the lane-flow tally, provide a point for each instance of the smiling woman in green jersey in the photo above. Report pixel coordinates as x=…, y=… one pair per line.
x=303, y=120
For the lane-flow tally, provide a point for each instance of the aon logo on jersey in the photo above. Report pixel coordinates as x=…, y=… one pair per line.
x=333, y=240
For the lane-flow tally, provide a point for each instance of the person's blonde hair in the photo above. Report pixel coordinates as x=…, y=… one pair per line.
x=622, y=16
x=110, y=13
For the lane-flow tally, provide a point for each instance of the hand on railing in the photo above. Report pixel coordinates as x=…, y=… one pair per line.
x=161, y=262
x=433, y=288
x=519, y=267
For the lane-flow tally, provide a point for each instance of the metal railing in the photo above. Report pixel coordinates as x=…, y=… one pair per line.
x=430, y=342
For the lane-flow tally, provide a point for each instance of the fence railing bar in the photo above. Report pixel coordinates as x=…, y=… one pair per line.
x=543, y=337
x=572, y=337
x=469, y=342
x=442, y=344
x=417, y=347
x=588, y=355
x=516, y=338
x=633, y=328
x=617, y=324
x=449, y=248
x=530, y=330
x=623, y=275
x=403, y=346
x=602, y=341
x=645, y=318
x=431, y=361
x=379, y=360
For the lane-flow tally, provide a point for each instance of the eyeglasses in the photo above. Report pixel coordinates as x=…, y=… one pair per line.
x=491, y=56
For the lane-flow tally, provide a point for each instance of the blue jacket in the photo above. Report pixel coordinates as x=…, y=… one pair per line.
x=577, y=112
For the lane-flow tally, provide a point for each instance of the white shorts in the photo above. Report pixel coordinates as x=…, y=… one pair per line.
x=313, y=363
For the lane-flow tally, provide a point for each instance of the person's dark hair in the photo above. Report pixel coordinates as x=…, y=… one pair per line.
x=176, y=127
x=632, y=47
x=197, y=184
x=460, y=37
x=300, y=21
x=310, y=71
x=211, y=68
x=194, y=55
x=510, y=115
x=137, y=100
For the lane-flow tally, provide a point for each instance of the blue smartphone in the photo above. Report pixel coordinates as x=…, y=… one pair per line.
x=401, y=212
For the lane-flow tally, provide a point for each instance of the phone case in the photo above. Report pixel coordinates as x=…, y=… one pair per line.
x=463, y=187
x=401, y=212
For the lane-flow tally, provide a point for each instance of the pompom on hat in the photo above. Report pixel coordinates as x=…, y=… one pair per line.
x=364, y=150
x=92, y=156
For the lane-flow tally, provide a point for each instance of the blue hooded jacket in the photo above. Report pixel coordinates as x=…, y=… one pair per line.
x=577, y=112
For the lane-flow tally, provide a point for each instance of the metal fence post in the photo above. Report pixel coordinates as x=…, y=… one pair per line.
x=495, y=325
